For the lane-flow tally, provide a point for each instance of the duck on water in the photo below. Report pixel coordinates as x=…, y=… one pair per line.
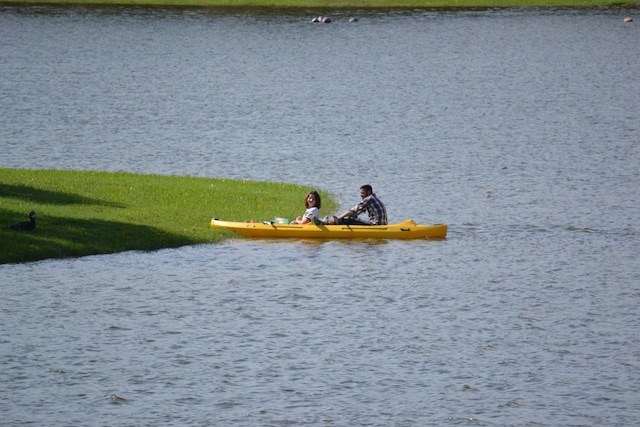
x=26, y=225
x=321, y=19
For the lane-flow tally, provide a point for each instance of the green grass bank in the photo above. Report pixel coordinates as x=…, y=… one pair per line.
x=82, y=213
x=346, y=4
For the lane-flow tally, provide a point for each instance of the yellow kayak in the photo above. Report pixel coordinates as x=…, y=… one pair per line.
x=403, y=230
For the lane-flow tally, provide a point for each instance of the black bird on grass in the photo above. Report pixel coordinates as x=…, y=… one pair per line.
x=26, y=225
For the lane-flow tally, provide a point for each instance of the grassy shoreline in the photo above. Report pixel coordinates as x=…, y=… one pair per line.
x=83, y=213
x=343, y=4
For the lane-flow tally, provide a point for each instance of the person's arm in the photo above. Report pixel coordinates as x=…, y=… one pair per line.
x=301, y=220
x=308, y=216
x=357, y=209
x=347, y=213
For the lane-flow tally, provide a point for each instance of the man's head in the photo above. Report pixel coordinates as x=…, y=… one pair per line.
x=365, y=191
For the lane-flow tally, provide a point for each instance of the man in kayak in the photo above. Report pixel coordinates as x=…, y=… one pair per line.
x=370, y=203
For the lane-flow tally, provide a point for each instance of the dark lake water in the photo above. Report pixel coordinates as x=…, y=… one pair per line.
x=520, y=128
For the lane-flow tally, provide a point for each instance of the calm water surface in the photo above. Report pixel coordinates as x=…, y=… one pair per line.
x=518, y=128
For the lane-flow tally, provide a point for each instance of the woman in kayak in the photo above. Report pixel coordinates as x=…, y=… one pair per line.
x=313, y=203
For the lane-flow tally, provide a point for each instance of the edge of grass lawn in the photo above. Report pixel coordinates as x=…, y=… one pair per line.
x=83, y=213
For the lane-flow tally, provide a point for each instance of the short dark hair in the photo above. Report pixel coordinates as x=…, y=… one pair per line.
x=367, y=188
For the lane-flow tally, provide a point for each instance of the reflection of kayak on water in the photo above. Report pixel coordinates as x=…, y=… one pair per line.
x=403, y=230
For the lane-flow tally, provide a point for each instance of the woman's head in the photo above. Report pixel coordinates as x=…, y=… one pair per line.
x=312, y=199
